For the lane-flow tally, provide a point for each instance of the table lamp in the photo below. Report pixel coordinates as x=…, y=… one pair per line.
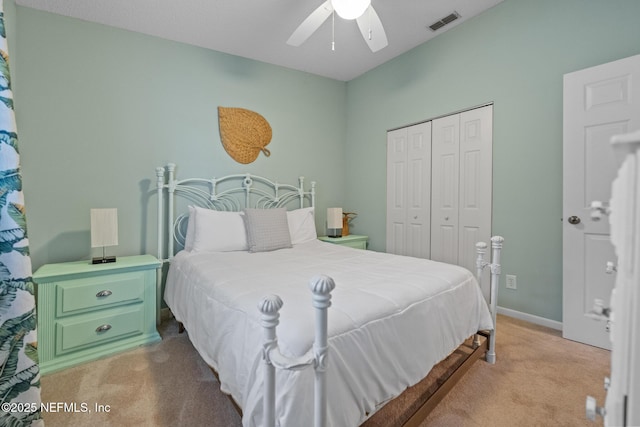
x=104, y=232
x=334, y=222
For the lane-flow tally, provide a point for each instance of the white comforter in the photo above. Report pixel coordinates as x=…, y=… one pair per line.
x=392, y=319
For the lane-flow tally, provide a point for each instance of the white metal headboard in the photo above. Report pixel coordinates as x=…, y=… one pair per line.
x=227, y=193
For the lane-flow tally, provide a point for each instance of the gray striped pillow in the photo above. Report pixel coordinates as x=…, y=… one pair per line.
x=267, y=229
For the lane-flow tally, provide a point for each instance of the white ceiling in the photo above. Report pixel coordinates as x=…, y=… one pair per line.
x=259, y=29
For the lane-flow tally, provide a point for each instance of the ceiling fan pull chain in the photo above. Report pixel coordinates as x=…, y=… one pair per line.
x=369, y=13
x=333, y=31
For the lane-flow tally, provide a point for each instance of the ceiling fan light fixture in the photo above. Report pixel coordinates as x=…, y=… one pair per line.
x=350, y=9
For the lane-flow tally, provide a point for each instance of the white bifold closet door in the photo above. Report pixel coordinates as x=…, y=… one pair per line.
x=461, y=175
x=409, y=190
x=439, y=187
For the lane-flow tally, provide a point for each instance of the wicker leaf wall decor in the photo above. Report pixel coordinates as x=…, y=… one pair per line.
x=244, y=133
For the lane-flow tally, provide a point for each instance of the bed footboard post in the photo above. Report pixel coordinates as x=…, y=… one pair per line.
x=160, y=190
x=269, y=307
x=321, y=286
x=481, y=249
x=171, y=169
x=496, y=244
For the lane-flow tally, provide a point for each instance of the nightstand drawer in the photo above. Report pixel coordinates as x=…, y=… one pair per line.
x=84, y=331
x=80, y=295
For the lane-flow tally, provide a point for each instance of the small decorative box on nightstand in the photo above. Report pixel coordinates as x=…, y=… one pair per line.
x=87, y=311
x=352, y=241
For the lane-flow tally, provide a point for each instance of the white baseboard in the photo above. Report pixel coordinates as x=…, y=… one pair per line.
x=553, y=324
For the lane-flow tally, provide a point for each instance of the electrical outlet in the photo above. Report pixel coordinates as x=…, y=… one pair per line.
x=511, y=281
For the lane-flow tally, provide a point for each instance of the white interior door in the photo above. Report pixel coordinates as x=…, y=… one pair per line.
x=599, y=102
x=409, y=190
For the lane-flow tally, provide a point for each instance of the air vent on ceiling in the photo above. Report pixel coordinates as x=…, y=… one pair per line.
x=444, y=21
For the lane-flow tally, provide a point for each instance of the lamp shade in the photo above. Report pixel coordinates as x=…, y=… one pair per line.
x=334, y=222
x=334, y=218
x=350, y=9
x=104, y=227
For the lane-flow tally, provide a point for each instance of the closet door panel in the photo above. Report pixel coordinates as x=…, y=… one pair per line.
x=444, y=244
x=419, y=190
x=469, y=236
x=476, y=140
x=409, y=190
x=416, y=237
x=396, y=191
x=395, y=240
x=444, y=196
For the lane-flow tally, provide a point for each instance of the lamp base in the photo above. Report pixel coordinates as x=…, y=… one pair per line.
x=103, y=260
x=334, y=232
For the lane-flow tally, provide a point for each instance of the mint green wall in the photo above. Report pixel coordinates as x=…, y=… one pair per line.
x=513, y=55
x=99, y=108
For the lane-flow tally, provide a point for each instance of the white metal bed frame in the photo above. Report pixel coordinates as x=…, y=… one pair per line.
x=261, y=192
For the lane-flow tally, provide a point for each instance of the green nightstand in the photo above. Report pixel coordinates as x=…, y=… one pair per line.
x=352, y=241
x=89, y=311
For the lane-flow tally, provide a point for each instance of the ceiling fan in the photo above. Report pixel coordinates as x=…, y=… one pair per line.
x=361, y=10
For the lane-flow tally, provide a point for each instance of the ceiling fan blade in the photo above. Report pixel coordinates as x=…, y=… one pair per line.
x=372, y=30
x=311, y=24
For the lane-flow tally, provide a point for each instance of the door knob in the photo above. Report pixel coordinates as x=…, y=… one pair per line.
x=574, y=220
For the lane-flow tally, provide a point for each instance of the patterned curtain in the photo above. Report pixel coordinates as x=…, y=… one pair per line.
x=19, y=371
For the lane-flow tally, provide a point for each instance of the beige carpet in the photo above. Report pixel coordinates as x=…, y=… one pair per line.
x=539, y=379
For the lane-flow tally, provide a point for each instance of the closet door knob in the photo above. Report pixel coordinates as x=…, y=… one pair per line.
x=574, y=220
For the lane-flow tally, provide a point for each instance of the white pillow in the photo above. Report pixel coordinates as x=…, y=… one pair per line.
x=218, y=231
x=267, y=229
x=191, y=229
x=302, y=225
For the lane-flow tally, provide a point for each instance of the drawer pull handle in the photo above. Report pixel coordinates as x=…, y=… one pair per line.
x=103, y=294
x=103, y=328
